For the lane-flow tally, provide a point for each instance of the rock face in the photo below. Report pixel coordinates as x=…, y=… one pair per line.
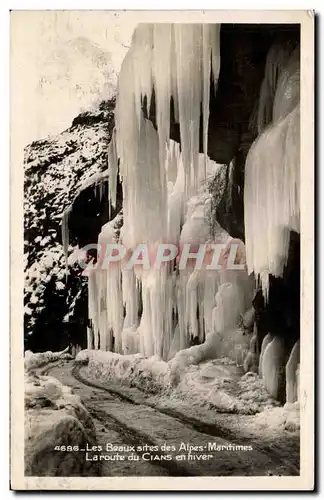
x=54, y=171
x=273, y=369
x=55, y=420
x=292, y=374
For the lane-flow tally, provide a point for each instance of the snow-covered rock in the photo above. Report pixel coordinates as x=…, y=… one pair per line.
x=56, y=426
x=55, y=169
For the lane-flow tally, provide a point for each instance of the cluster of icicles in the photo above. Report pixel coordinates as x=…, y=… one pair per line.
x=159, y=312
x=272, y=170
x=165, y=199
x=177, y=61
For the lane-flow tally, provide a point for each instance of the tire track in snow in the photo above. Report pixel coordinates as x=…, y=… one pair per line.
x=196, y=424
x=135, y=438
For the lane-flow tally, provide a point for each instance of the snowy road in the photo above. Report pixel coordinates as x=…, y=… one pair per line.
x=124, y=419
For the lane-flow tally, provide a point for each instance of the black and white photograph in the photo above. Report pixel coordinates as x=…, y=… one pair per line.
x=162, y=209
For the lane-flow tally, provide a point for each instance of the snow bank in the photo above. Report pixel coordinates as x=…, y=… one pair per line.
x=148, y=374
x=216, y=384
x=55, y=418
x=34, y=360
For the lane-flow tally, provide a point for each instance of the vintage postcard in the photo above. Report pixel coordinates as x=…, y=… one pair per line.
x=162, y=250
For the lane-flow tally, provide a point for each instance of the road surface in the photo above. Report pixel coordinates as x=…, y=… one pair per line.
x=165, y=442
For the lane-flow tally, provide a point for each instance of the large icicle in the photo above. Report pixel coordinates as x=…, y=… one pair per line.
x=271, y=196
x=173, y=58
x=113, y=169
x=111, y=290
x=105, y=293
x=215, y=43
x=93, y=303
x=162, y=84
x=207, y=52
x=188, y=42
x=276, y=63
